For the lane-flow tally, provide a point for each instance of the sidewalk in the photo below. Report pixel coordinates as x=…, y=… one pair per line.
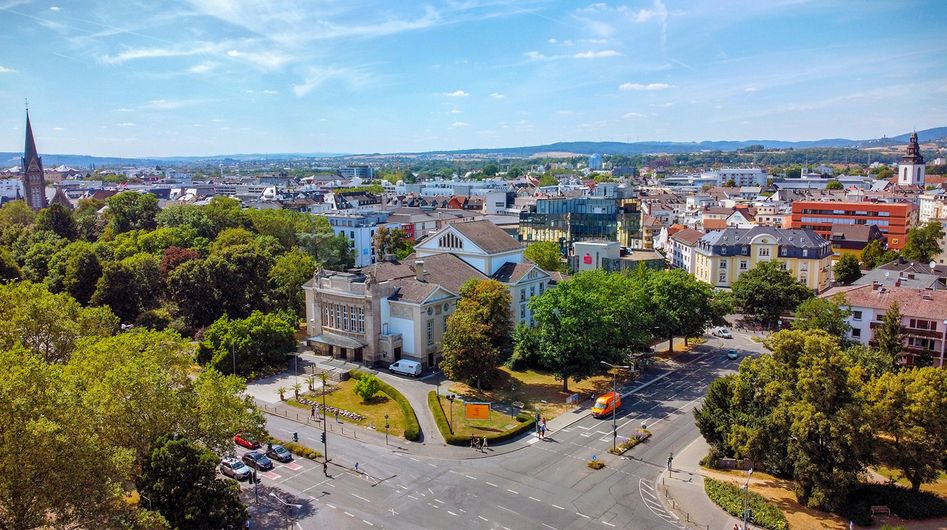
x=682, y=491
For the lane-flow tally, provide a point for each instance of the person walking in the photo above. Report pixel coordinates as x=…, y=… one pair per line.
x=542, y=431
x=312, y=411
x=356, y=467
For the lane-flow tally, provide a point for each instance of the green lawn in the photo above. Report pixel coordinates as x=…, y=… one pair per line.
x=939, y=487
x=374, y=412
x=463, y=427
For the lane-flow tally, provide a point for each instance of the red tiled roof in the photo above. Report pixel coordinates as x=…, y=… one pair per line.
x=930, y=305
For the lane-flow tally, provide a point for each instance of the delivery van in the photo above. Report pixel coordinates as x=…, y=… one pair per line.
x=406, y=367
x=605, y=404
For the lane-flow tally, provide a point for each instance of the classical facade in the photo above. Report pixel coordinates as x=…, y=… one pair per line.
x=720, y=257
x=394, y=310
x=34, y=180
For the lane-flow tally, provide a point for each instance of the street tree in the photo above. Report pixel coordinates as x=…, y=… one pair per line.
x=546, y=254
x=923, y=242
x=767, y=291
x=888, y=336
x=259, y=342
x=847, y=269
x=489, y=301
x=180, y=480
x=592, y=317
x=680, y=305
x=875, y=254
x=713, y=417
x=467, y=351
x=910, y=407
x=826, y=314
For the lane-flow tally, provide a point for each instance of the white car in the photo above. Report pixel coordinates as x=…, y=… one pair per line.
x=722, y=332
x=234, y=468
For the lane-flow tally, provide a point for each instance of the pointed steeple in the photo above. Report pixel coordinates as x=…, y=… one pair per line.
x=34, y=182
x=29, y=151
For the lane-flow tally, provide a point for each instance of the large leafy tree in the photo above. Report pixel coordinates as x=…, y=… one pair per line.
x=714, y=418
x=874, y=254
x=489, y=301
x=681, y=305
x=392, y=241
x=826, y=314
x=16, y=213
x=546, y=254
x=283, y=225
x=888, y=336
x=59, y=220
x=129, y=287
x=75, y=269
x=290, y=271
x=910, y=407
x=189, y=216
x=478, y=332
x=9, y=270
x=923, y=242
x=767, y=291
x=179, y=477
x=259, y=341
x=847, y=269
x=130, y=210
x=592, y=317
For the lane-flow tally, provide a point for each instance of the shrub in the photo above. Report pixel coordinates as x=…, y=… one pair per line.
x=366, y=387
x=412, y=430
x=730, y=498
x=526, y=423
x=595, y=464
x=638, y=437
x=295, y=448
x=902, y=501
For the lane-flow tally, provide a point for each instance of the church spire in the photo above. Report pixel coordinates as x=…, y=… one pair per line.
x=34, y=181
x=29, y=151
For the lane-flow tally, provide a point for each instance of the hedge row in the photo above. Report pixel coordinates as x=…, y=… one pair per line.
x=730, y=498
x=903, y=502
x=526, y=423
x=295, y=448
x=412, y=430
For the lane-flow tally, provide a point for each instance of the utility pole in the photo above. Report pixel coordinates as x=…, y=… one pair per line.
x=615, y=401
x=746, y=500
x=386, y=429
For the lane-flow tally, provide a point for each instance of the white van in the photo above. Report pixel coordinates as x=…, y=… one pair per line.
x=405, y=367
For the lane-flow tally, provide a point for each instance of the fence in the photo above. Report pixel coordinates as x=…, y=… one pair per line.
x=307, y=419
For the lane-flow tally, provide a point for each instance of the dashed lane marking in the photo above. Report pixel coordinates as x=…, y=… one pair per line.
x=438, y=501
x=360, y=497
x=535, y=499
x=547, y=526
x=606, y=523
x=513, y=492
x=557, y=506
x=330, y=506
x=368, y=523
x=491, y=484
x=483, y=518
x=582, y=515
x=452, y=513
x=347, y=513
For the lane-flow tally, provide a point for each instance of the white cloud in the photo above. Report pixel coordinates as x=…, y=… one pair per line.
x=552, y=40
x=267, y=60
x=497, y=95
x=126, y=124
x=134, y=54
x=202, y=68
x=644, y=87
x=457, y=94
x=123, y=109
x=597, y=54
x=316, y=77
x=751, y=89
x=632, y=115
x=534, y=55
x=5, y=70
x=565, y=112
x=455, y=111
x=460, y=124
x=55, y=8
x=271, y=92
x=59, y=129
x=172, y=104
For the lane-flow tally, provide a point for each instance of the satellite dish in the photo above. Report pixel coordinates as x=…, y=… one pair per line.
x=932, y=264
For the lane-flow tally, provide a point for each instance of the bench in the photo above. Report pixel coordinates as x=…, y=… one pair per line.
x=880, y=510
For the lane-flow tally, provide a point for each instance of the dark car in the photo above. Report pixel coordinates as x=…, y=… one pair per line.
x=246, y=440
x=257, y=460
x=279, y=453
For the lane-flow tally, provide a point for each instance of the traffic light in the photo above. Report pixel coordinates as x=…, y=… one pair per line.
x=323, y=437
x=254, y=478
x=295, y=437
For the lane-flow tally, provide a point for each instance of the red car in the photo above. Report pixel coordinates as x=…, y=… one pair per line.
x=246, y=440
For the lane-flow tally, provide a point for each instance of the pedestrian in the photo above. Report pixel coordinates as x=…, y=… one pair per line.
x=312, y=412
x=356, y=467
x=337, y=415
x=542, y=431
x=325, y=468
x=484, y=444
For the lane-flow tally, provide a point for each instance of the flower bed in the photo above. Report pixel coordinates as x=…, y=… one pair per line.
x=639, y=436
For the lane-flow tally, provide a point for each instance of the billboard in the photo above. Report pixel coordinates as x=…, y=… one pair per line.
x=477, y=411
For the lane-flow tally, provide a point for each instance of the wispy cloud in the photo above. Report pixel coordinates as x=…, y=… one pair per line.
x=460, y=124
x=597, y=54
x=271, y=92
x=591, y=54
x=315, y=77
x=632, y=115
x=456, y=94
x=455, y=111
x=55, y=8
x=124, y=109
x=497, y=95
x=172, y=104
x=59, y=129
x=267, y=60
x=644, y=87
x=126, y=124
x=5, y=70
x=751, y=89
x=134, y=54
x=202, y=68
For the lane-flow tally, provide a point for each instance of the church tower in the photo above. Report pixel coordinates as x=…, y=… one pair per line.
x=911, y=169
x=34, y=181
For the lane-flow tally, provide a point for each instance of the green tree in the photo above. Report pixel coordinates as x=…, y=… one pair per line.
x=366, y=387
x=714, y=418
x=923, y=242
x=888, y=336
x=546, y=254
x=872, y=361
x=490, y=301
x=767, y=290
x=910, y=407
x=834, y=184
x=490, y=170
x=283, y=225
x=290, y=271
x=525, y=348
x=179, y=478
x=681, y=305
x=224, y=213
x=259, y=342
x=189, y=216
x=333, y=252
x=89, y=224
x=874, y=254
x=16, y=213
x=548, y=180
x=129, y=287
x=75, y=269
x=130, y=210
x=36, y=259
x=515, y=172
x=9, y=270
x=829, y=315
x=57, y=219
x=393, y=242
x=190, y=277
x=592, y=317
x=478, y=332
x=847, y=269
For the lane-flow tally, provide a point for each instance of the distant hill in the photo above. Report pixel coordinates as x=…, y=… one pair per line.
x=82, y=162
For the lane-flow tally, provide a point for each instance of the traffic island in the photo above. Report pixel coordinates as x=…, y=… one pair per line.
x=494, y=426
x=595, y=464
x=638, y=437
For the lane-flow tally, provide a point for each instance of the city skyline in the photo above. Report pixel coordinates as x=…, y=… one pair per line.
x=207, y=77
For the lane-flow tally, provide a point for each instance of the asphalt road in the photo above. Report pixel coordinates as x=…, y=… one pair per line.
x=546, y=484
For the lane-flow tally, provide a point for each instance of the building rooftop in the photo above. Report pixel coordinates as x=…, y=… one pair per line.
x=931, y=305
x=487, y=236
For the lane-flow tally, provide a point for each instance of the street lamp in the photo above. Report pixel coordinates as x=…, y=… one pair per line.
x=386, y=429
x=450, y=397
x=512, y=400
x=289, y=507
x=614, y=400
x=746, y=500
x=325, y=421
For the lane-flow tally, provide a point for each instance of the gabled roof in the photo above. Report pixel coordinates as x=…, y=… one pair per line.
x=511, y=272
x=930, y=305
x=855, y=233
x=488, y=236
x=688, y=236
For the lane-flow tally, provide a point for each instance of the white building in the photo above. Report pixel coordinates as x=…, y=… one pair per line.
x=681, y=246
x=742, y=177
x=911, y=169
x=11, y=188
x=359, y=228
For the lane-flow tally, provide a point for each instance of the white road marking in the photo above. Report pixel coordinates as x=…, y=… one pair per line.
x=535, y=499
x=452, y=513
x=507, y=509
x=582, y=515
x=330, y=506
x=531, y=441
x=360, y=497
x=609, y=524
x=412, y=497
x=368, y=523
x=471, y=478
x=491, y=484
x=557, y=506
x=483, y=518
x=347, y=513
x=438, y=501
x=413, y=458
x=547, y=526
x=513, y=492
x=430, y=464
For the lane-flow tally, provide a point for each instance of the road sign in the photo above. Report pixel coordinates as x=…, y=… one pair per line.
x=477, y=411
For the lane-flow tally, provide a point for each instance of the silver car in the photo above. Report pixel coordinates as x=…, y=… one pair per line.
x=234, y=468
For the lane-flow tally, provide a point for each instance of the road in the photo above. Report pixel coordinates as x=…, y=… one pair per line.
x=544, y=484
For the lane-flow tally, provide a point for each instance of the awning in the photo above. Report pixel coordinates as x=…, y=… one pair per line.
x=338, y=340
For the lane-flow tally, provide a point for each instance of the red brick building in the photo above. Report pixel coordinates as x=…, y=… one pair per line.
x=893, y=219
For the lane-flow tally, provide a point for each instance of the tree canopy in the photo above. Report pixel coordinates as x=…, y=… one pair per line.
x=923, y=242
x=767, y=290
x=847, y=269
x=478, y=332
x=546, y=254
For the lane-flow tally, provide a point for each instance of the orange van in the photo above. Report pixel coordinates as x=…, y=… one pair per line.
x=605, y=404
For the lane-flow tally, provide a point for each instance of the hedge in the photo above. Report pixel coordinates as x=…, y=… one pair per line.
x=412, y=430
x=730, y=498
x=526, y=423
x=903, y=502
x=295, y=448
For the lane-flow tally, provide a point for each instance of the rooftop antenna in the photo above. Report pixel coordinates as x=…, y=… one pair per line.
x=26, y=103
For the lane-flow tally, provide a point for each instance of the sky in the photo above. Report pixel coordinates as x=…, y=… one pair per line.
x=203, y=77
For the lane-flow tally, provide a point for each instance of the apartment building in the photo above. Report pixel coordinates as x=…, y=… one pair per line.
x=894, y=219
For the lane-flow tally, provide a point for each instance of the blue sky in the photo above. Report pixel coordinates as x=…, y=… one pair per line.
x=201, y=77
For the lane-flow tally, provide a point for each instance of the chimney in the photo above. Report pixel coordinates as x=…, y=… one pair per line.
x=419, y=270
x=875, y=285
x=897, y=283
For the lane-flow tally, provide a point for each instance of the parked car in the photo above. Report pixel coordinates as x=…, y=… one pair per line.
x=247, y=440
x=406, y=367
x=605, y=404
x=233, y=468
x=257, y=460
x=732, y=354
x=722, y=332
x=279, y=453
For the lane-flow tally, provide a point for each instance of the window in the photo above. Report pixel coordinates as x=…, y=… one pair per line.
x=923, y=324
x=856, y=315
x=542, y=287
x=723, y=264
x=430, y=332
x=782, y=265
x=856, y=332
x=450, y=240
x=743, y=265
x=351, y=234
x=805, y=253
x=764, y=251
x=522, y=295
x=361, y=320
x=523, y=312
x=532, y=291
x=445, y=323
x=722, y=278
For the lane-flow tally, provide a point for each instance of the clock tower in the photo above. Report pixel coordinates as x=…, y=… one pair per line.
x=34, y=181
x=912, y=168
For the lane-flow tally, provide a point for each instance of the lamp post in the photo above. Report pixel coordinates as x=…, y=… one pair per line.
x=325, y=421
x=450, y=398
x=746, y=500
x=296, y=369
x=289, y=507
x=614, y=400
x=386, y=429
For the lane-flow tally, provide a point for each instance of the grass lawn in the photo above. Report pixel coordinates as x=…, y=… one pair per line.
x=535, y=389
x=679, y=347
x=497, y=423
x=938, y=488
x=373, y=412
